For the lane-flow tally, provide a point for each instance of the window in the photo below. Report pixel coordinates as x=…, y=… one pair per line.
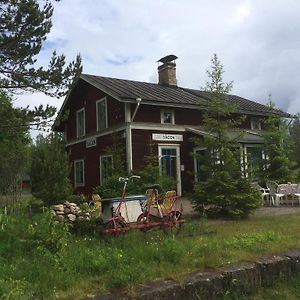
x=106, y=166
x=255, y=124
x=79, y=173
x=199, y=161
x=167, y=117
x=254, y=159
x=101, y=111
x=80, y=122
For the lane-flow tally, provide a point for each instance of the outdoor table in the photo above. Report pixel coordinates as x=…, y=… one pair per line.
x=289, y=190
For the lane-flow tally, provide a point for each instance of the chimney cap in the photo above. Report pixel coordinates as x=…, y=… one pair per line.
x=167, y=58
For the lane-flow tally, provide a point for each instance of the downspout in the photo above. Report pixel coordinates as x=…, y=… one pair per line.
x=138, y=102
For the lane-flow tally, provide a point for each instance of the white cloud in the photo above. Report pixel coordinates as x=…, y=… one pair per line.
x=257, y=41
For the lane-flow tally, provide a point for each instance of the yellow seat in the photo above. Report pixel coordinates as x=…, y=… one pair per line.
x=97, y=199
x=169, y=200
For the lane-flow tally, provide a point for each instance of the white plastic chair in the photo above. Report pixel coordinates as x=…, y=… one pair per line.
x=276, y=198
x=265, y=193
x=297, y=193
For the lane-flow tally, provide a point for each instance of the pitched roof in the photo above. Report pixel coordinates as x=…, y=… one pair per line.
x=151, y=93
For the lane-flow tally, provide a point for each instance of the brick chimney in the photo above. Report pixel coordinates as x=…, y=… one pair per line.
x=167, y=71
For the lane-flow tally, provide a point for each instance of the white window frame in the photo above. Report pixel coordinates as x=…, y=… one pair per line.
x=76, y=184
x=255, y=119
x=77, y=122
x=100, y=162
x=178, y=163
x=97, y=112
x=162, y=111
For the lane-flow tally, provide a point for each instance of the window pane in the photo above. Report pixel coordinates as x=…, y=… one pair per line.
x=80, y=123
x=79, y=173
x=106, y=167
x=101, y=110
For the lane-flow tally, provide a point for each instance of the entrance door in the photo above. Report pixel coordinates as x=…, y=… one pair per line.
x=169, y=162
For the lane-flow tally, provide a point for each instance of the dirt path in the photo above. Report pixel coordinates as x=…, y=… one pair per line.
x=263, y=211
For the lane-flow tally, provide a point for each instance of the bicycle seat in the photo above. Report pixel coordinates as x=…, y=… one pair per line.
x=153, y=186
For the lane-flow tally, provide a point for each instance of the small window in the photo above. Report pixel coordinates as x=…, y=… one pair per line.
x=256, y=124
x=106, y=167
x=79, y=173
x=167, y=117
x=101, y=111
x=80, y=122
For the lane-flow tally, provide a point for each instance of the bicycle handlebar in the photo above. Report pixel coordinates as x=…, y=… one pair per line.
x=123, y=179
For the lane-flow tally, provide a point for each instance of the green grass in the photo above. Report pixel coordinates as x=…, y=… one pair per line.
x=39, y=259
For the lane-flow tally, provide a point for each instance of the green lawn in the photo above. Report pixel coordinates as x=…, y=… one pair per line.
x=39, y=259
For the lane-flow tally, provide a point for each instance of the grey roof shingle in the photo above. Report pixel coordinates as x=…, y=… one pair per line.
x=129, y=90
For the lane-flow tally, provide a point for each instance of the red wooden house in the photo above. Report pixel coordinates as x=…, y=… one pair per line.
x=140, y=115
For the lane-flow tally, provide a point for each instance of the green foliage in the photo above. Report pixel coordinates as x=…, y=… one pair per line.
x=14, y=146
x=50, y=170
x=225, y=191
x=150, y=174
x=40, y=259
x=278, y=164
x=295, y=140
x=24, y=28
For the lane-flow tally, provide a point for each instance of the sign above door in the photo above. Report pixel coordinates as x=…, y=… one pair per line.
x=167, y=137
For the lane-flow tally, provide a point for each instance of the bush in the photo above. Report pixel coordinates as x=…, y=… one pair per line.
x=231, y=198
x=113, y=188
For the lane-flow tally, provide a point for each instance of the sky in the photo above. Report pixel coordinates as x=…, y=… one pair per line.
x=257, y=41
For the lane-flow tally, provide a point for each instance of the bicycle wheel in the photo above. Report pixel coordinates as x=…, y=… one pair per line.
x=143, y=219
x=175, y=226
x=115, y=226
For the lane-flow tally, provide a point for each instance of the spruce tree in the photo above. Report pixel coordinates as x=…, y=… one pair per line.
x=278, y=164
x=49, y=170
x=226, y=192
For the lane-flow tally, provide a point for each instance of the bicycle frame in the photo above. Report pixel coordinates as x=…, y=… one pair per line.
x=117, y=218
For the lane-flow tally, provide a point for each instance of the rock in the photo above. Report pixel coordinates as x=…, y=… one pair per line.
x=71, y=217
x=60, y=218
x=72, y=210
x=58, y=212
x=53, y=213
x=67, y=210
x=204, y=286
x=67, y=203
x=58, y=207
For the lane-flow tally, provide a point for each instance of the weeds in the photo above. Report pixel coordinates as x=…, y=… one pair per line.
x=41, y=259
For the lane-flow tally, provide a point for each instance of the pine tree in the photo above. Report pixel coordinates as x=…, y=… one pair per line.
x=226, y=191
x=24, y=26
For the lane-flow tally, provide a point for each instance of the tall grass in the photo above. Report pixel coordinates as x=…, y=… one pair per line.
x=42, y=260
